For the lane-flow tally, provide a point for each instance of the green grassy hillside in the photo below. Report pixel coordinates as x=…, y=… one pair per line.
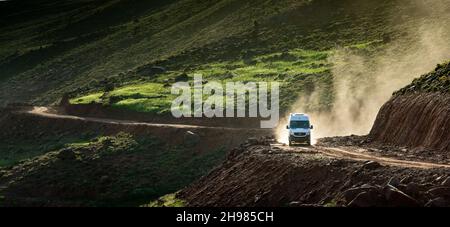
x=436, y=81
x=49, y=48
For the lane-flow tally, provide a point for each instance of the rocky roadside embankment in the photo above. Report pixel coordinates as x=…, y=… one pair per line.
x=258, y=174
x=418, y=116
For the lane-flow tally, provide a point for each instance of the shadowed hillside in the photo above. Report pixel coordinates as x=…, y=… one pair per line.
x=50, y=48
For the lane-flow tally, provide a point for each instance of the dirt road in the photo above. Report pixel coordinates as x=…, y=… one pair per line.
x=361, y=155
x=45, y=112
x=356, y=154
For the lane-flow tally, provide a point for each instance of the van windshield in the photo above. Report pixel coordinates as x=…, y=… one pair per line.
x=299, y=124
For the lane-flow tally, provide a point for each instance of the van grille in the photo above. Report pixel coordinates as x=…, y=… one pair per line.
x=299, y=134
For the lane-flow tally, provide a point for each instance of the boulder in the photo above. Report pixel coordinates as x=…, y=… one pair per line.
x=151, y=71
x=252, y=141
x=406, y=180
x=166, y=83
x=351, y=193
x=439, y=192
x=67, y=154
x=158, y=69
x=414, y=188
x=397, y=198
x=394, y=181
x=438, y=202
x=367, y=199
x=446, y=182
x=371, y=165
x=182, y=78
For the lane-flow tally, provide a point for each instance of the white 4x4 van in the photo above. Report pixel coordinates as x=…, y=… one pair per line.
x=299, y=129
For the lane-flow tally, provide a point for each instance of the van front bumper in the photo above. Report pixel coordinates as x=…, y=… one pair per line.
x=296, y=139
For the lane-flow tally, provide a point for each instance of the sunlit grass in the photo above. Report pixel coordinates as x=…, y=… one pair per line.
x=154, y=97
x=145, y=105
x=167, y=201
x=92, y=98
x=145, y=89
x=79, y=144
x=283, y=67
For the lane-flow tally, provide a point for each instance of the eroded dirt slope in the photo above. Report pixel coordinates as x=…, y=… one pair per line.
x=419, y=114
x=415, y=120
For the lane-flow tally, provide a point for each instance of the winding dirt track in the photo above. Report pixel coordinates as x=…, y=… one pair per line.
x=328, y=151
x=44, y=112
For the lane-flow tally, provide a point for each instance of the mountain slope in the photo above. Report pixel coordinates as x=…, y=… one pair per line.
x=53, y=48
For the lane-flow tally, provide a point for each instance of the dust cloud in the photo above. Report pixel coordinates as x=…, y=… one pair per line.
x=363, y=83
